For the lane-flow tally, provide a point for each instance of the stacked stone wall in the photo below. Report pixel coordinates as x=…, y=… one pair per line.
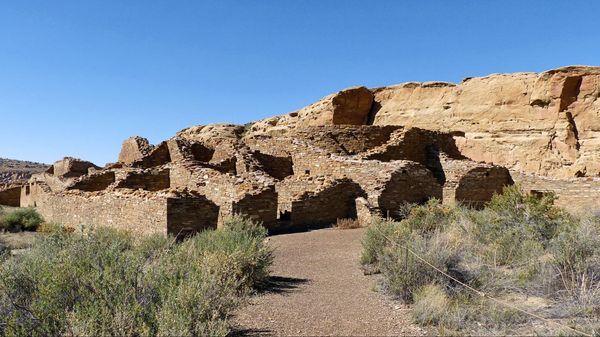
x=10, y=196
x=577, y=195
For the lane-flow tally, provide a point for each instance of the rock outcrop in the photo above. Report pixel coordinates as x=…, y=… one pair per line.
x=540, y=123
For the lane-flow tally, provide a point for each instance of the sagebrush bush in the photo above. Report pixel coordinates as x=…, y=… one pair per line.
x=106, y=282
x=403, y=273
x=25, y=219
x=374, y=241
x=576, y=261
x=518, y=245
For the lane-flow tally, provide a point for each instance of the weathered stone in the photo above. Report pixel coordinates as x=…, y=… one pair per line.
x=134, y=148
x=71, y=167
x=350, y=106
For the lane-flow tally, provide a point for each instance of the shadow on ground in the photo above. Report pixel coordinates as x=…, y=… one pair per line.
x=282, y=284
x=250, y=333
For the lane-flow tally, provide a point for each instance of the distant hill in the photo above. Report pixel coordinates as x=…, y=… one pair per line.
x=18, y=171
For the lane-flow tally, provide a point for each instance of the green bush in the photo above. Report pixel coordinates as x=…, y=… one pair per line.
x=26, y=219
x=518, y=246
x=374, y=241
x=106, y=282
x=403, y=273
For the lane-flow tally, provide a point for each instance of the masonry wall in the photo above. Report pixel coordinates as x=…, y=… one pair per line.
x=573, y=194
x=276, y=167
x=10, y=196
x=470, y=183
x=95, y=182
x=154, y=180
x=190, y=215
x=159, y=155
x=387, y=184
x=324, y=207
x=139, y=214
x=260, y=206
x=480, y=184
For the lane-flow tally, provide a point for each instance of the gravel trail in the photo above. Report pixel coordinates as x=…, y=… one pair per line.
x=319, y=289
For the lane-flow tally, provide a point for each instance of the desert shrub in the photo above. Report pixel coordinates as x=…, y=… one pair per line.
x=3, y=248
x=431, y=305
x=404, y=273
x=375, y=241
x=516, y=228
x=428, y=217
x=347, y=224
x=576, y=261
x=26, y=219
x=518, y=246
x=106, y=282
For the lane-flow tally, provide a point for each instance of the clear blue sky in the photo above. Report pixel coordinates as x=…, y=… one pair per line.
x=78, y=77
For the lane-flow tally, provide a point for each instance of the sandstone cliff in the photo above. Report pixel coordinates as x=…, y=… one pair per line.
x=541, y=123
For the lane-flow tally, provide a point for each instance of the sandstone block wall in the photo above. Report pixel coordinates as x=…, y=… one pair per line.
x=71, y=167
x=324, y=207
x=578, y=195
x=139, y=214
x=10, y=196
x=134, y=148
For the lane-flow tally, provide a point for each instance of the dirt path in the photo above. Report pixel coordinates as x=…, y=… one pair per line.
x=319, y=289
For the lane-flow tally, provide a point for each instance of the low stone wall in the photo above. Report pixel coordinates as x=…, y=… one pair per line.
x=576, y=195
x=322, y=208
x=139, y=214
x=10, y=196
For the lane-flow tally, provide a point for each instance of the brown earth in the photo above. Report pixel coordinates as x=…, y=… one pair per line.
x=319, y=289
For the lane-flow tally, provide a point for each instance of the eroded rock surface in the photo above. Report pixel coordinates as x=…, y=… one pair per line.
x=542, y=123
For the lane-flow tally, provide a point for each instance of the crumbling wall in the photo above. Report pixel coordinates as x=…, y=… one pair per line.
x=472, y=184
x=276, y=167
x=71, y=167
x=324, y=207
x=97, y=181
x=189, y=215
x=133, y=149
x=159, y=155
x=261, y=206
x=139, y=213
x=387, y=184
x=10, y=196
x=479, y=185
x=182, y=149
x=149, y=180
x=577, y=195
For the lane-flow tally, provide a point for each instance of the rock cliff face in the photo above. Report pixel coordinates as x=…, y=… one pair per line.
x=541, y=123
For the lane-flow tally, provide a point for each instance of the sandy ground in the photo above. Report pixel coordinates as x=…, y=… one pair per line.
x=319, y=289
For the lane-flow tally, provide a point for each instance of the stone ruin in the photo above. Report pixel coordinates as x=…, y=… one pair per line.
x=294, y=179
x=358, y=153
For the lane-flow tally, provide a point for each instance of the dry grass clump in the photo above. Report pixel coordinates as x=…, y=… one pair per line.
x=430, y=305
x=347, y=224
x=517, y=245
